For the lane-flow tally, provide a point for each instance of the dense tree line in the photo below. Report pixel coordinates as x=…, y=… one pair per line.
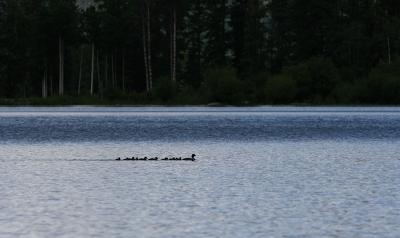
x=192, y=51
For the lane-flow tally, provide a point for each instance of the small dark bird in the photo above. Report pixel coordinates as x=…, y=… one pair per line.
x=156, y=158
x=190, y=159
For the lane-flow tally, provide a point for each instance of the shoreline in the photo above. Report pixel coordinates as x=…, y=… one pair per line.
x=196, y=105
x=94, y=102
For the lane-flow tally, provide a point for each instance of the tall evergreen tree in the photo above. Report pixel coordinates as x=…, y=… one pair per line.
x=216, y=20
x=194, y=40
x=249, y=36
x=280, y=34
x=63, y=23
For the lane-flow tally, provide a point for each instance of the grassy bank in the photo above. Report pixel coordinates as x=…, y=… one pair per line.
x=72, y=101
x=93, y=101
x=314, y=82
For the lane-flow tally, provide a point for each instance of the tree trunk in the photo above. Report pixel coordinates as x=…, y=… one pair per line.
x=99, y=83
x=174, y=46
x=98, y=70
x=61, y=66
x=171, y=45
x=112, y=71
x=389, y=51
x=123, y=72
x=92, y=72
x=51, y=85
x=80, y=72
x=44, y=84
x=106, y=71
x=115, y=69
x=149, y=48
x=145, y=53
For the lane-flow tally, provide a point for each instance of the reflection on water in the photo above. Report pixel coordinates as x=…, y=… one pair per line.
x=279, y=172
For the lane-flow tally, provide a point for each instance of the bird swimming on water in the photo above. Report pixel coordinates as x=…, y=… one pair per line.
x=191, y=159
x=156, y=158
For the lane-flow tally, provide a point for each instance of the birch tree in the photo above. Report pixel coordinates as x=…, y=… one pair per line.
x=64, y=25
x=173, y=33
x=92, y=22
x=146, y=33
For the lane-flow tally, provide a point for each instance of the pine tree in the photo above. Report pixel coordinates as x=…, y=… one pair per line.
x=217, y=21
x=194, y=41
x=249, y=28
x=63, y=23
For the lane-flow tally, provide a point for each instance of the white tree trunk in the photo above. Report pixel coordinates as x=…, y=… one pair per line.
x=174, y=48
x=92, y=72
x=98, y=69
x=51, y=85
x=61, y=66
x=100, y=88
x=123, y=72
x=149, y=48
x=80, y=72
x=145, y=53
x=106, y=71
x=112, y=71
x=44, y=84
x=171, y=48
x=389, y=50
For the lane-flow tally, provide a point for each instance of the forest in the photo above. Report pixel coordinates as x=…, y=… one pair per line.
x=240, y=52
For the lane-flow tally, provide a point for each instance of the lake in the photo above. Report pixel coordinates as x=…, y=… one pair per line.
x=260, y=172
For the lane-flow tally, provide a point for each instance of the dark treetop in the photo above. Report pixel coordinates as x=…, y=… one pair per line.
x=175, y=51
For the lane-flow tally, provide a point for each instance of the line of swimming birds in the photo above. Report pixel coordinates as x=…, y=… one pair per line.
x=193, y=158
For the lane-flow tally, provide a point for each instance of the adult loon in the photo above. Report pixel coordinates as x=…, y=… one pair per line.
x=191, y=159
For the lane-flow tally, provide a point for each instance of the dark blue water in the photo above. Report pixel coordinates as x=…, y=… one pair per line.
x=39, y=125
x=261, y=172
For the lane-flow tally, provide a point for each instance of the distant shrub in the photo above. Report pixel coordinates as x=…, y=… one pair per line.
x=280, y=89
x=315, y=79
x=165, y=89
x=189, y=96
x=346, y=93
x=222, y=85
x=258, y=87
x=383, y=84
x=113, y=94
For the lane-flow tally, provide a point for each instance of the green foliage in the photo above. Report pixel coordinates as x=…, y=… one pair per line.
x=165, y=89
x=222, y=85
x=277, y=51
x=315, y=78
x=383, y=84
x=280, y=89
x=189, y=96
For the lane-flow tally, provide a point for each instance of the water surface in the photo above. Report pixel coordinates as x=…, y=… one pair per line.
x=261, y=172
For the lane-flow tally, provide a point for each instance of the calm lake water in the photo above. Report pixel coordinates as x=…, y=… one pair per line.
x=261, y=172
